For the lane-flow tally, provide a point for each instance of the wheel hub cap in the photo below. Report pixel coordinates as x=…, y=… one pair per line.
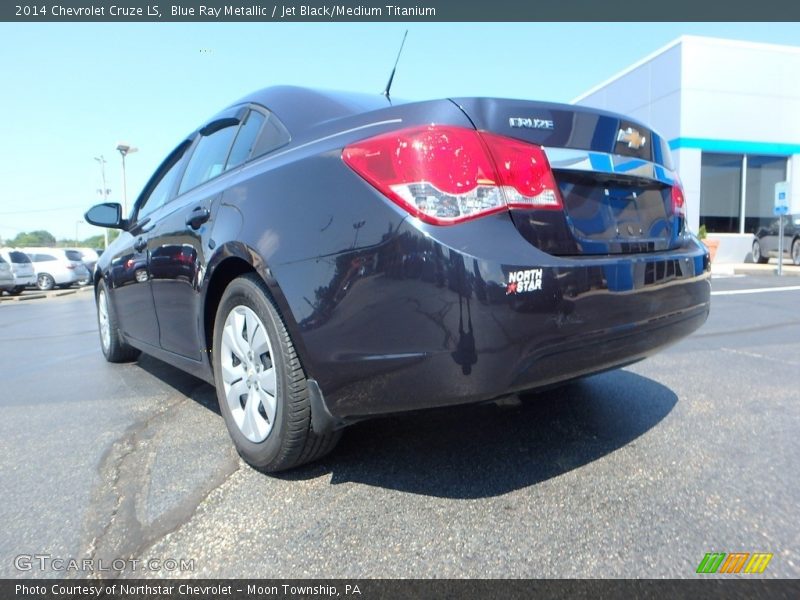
x=248, y=377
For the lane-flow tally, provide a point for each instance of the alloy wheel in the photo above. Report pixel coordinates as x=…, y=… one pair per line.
x=45, y=282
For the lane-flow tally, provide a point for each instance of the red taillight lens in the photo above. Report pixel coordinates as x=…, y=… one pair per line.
x=445, y=175
x=524, y=173
x=678, y=199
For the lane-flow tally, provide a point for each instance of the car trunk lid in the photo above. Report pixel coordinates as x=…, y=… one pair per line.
x=614, y=176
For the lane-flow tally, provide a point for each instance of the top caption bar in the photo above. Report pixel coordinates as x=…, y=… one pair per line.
x=131, y=11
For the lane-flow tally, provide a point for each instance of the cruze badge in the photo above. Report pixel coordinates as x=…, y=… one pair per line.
x=634, y=139
x=526, y=123
x=527, y=280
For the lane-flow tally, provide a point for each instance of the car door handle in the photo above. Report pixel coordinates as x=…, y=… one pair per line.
x=140, y=244
x=197, y=217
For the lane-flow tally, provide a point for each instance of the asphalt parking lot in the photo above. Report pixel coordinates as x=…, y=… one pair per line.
x=634, y=473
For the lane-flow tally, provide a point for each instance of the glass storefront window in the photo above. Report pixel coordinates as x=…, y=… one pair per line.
x=720, y=192
x=763, y=172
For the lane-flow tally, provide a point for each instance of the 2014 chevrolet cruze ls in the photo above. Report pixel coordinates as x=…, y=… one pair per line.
x=325, y=257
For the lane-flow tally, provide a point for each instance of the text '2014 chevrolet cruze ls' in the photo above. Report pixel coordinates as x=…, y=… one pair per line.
x=325, y=257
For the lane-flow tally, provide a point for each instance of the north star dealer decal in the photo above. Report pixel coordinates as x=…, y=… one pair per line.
x=527, y=280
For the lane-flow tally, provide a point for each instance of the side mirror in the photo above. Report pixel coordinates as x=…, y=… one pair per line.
x=108, y=214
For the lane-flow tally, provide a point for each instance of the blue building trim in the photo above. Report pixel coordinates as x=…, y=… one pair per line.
x=734, y=146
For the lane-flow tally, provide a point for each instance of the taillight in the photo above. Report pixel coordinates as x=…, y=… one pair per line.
x=678, y=199
x=524, y=173
x=445, y=175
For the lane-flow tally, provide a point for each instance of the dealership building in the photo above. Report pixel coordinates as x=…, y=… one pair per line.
x=731, y=113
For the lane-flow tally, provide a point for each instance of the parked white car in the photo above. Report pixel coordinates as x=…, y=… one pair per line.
x=89, y=257
x=57, y=267
x=6, y=276
x=21, y=269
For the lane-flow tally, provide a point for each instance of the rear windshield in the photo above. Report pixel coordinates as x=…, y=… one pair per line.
x=19, y=257
x=74, y=255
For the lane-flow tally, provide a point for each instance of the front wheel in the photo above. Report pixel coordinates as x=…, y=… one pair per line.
x=114, y=347
x=758, y=255
x=261, y=386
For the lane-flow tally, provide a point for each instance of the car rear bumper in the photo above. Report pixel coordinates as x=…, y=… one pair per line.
x=421, y=322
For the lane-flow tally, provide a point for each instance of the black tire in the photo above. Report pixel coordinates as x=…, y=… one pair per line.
x=758, y=256
x=290, y=441
x=16, y=291
x=796, y=252
x=45, y=282
x=114, y=348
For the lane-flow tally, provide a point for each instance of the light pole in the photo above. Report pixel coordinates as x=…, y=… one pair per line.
x=77, y=242
x=104, y=192
x=124, y=150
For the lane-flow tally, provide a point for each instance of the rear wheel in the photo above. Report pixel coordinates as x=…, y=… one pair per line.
x=758, y=255
x=796, y=252
x=45, y=282
x=16, y=291
x=261, y=386
x=114, y=347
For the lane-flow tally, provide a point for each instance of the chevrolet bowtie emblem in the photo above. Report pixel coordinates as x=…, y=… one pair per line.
x=634, y=139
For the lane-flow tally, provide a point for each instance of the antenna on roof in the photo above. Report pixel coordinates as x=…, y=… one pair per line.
x=396, y=60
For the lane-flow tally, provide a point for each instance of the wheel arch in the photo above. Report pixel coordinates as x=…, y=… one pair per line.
x=229, y=261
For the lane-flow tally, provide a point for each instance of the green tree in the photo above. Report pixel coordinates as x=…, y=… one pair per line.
x=33, y=238
x=96, y=241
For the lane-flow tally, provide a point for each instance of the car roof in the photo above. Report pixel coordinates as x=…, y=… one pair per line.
x=300, y=108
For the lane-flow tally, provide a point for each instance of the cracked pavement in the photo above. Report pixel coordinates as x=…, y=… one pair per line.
x=636, y=472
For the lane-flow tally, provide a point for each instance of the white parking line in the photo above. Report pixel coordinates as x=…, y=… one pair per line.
x=789, y=288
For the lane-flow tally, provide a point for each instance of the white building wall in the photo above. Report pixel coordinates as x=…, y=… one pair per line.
x=713, y=95
x=740, y=91
x=649, y=92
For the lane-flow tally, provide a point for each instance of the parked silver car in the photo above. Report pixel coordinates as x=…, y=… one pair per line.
x=57, y=267
x=6, y=276
x=21, y=269
x=89, y=258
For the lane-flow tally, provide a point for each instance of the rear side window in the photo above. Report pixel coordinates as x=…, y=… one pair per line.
x=208, y=158
x=273, y=136
x=44, y=258
x=19, y=257
x=73, y=255
x=245, y=139
x=2, y=260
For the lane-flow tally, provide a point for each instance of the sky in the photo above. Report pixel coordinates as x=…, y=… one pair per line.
x=71, y=92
